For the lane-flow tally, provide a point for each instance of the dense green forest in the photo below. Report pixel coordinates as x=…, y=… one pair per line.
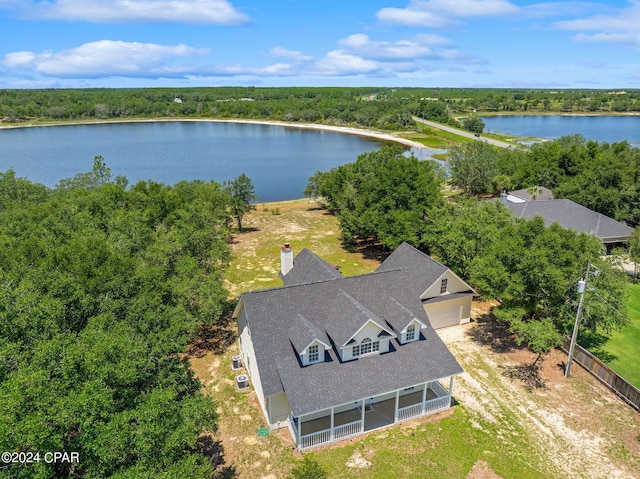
x=388, y=198
x=383, y=108
x=103, y=285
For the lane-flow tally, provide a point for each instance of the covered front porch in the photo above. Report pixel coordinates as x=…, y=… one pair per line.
x=348, y=420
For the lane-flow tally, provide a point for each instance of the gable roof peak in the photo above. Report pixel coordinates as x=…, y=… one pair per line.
x=308, y=268
x=303, y=332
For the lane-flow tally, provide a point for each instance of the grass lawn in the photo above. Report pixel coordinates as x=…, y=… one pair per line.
x=624, y=344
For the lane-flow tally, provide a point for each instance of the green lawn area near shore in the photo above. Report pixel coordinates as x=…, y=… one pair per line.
x=621, y=350
x=625, y=343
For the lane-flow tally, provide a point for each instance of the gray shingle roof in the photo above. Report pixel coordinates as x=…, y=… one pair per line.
x=573, y=216
x=545, y=194
x=331, y=383
x=346, y=316
x=303, y=332
x=309, y=268
x=421, y=270
x=274, y=318
x=398, y=316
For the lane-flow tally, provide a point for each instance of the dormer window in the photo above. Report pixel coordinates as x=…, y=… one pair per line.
x=443, y=285
x=411, y=333
x=314, y=353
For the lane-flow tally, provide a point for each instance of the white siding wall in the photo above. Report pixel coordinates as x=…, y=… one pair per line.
x=403, y=336
x=454, y=285
x=249, y=359
x=279, y=409
x=371, y=331
x=305, y=357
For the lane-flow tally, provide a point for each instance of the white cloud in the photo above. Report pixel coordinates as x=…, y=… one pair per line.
x=284, y=53
x=629, y=38
x=440, y=13
x=105, y=58
x=362, y=45
x=127, y=11
x=339, y=63
x=622, y=26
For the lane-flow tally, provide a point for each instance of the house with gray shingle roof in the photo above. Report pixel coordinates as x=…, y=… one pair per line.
x=570, y=215
x=331, y=357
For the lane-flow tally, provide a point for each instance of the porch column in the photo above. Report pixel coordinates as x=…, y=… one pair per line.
x=424, y=397
x=332, y=423
x=451, y=389
x=395, y=414
x=362, y=416
x=299, y=430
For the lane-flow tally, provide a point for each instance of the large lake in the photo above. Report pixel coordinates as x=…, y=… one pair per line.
x=550, y=127
x=278, y=159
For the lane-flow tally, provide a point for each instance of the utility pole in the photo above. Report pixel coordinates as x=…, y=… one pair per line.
x=582, y=288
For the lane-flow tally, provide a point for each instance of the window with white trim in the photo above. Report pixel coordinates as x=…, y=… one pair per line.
x=443, y=285
x=411, y=333
x=365, y=346
x=314, y=353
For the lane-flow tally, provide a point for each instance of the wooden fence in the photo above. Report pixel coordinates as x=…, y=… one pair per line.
x=629, y=393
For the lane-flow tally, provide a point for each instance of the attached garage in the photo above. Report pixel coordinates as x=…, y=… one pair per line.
x=444, y=313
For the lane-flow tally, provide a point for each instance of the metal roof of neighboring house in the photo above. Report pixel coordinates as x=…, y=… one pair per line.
x=330, y=306
x=573, y=216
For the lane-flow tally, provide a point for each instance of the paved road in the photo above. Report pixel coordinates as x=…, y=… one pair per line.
x=457, y=131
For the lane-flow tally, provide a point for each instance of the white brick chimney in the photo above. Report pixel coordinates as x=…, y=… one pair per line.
x=286, y=259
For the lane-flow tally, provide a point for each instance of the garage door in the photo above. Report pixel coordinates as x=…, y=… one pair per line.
x=443, y=314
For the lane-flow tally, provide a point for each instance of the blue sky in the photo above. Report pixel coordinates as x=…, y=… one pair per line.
x=430, y=43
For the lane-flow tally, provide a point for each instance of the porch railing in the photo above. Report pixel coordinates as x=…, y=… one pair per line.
x=307, y=441
x=315, y=439
x=408, y=412
x=347, y=430
x=435, y=405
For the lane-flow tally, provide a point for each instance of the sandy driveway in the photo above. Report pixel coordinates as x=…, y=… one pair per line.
x=580, y=428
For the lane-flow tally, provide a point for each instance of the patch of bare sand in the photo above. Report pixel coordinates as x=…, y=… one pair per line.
x=356, y=460
x=481, y=470
x=576, y=430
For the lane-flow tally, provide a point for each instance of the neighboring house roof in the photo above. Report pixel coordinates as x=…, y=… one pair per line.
x=573, y=216
x=309, y=268
x=277, y=319
x=545, y=194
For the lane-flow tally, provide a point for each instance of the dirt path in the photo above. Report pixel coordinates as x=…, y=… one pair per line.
x=576, y=425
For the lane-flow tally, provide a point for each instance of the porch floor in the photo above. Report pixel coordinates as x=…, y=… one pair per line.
x=381, y=414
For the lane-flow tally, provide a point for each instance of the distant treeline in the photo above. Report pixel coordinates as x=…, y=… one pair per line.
x=383, y=108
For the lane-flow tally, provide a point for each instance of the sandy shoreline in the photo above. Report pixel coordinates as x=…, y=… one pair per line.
x=309, y=126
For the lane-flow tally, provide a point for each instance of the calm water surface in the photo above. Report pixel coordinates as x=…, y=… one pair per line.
x=608, y=129
x=278, y=159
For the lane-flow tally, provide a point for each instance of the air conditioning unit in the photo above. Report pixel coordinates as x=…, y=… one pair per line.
x=242, y=382
x=236, y=362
